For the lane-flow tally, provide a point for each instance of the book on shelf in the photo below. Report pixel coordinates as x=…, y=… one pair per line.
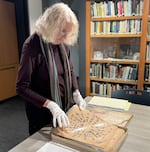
x=120, y=8
x=125, y=74
x=148, y=51
x=147, y=73
x=90, y=132
x=148, y=30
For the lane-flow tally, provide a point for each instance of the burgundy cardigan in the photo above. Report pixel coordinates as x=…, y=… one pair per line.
x=33, y=83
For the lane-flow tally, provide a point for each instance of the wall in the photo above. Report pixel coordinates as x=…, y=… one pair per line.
x=34, y=10
x=81, y=48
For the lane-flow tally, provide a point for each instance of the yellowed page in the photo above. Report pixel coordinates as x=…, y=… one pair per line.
x=110, y=102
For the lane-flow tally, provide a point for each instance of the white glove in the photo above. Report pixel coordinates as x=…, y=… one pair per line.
x=79, y=100
x=58, y=115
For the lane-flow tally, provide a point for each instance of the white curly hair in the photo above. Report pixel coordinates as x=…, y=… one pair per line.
x=53, y=20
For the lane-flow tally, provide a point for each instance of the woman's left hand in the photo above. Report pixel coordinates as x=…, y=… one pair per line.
x=78, y=99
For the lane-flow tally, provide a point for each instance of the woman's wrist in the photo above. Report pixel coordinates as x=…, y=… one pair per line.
x=46, y=103
x=76, y=91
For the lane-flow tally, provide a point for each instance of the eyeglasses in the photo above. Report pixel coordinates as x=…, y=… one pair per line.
x=64, y=33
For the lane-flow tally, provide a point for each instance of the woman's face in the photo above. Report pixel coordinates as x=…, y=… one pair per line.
x=63, y=33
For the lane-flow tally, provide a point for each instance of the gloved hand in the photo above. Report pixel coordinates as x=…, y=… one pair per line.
x=58, y=115
x=79, y=100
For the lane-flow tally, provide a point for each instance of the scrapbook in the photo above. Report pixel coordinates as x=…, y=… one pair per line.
x=90, y=132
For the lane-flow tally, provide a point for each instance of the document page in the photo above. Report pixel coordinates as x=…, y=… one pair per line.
x=55, y=147
x=110, y=102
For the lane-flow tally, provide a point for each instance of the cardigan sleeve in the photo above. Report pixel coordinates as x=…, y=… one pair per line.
x=26, y=68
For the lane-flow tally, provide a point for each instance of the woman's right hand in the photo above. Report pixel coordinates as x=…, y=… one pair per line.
x=59, y=115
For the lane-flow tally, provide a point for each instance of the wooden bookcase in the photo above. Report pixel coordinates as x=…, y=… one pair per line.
x=147, y=62
x=8, y=50
x=116, y=44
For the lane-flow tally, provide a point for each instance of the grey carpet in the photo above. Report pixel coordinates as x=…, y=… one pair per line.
x=13, y=123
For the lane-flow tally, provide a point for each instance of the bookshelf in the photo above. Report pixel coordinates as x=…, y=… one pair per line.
x=116, y=45
x=147, y=58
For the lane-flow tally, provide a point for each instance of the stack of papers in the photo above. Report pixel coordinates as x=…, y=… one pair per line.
x=114, y=103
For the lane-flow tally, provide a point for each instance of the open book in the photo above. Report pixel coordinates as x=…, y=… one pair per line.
x=88, y=132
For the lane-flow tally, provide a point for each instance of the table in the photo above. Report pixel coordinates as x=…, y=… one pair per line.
x=137, y=140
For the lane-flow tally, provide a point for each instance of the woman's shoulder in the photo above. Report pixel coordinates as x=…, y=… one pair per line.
x=34, y=38
x=32, y=44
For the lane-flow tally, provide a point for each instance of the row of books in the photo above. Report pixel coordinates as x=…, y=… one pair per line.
x=105, y=89
x=116, y=8
x=113, y=71
x=121, y=26
x=148, y=51
x=147, y=73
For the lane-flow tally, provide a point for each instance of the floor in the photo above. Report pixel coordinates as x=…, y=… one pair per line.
x=13, y=123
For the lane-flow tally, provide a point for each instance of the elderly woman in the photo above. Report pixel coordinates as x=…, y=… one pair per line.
x=46, y=79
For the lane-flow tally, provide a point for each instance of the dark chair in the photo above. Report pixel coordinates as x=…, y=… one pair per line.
x=133, y=96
